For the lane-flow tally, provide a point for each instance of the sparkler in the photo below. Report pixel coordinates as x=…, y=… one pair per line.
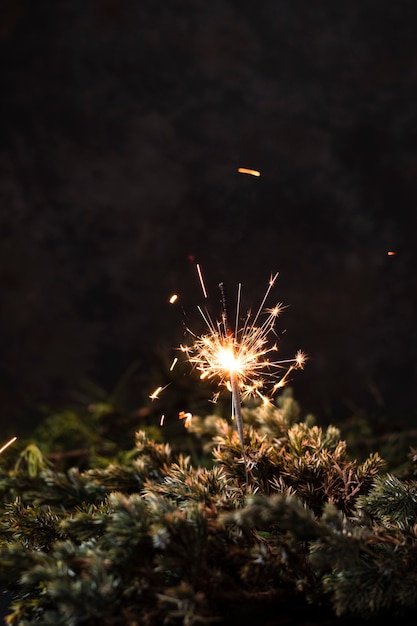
x=239, y=358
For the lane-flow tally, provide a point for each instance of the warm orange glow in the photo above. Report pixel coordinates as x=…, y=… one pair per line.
x=245, y=170
x=173, y=298
x=391, y=253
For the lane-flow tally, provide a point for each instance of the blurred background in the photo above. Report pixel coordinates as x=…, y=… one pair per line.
x=122, y=128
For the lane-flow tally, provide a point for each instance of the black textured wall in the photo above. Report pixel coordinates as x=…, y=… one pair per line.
x=122, y=127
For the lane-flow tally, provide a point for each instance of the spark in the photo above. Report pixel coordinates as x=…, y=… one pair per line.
x=161, y=421
x=173, y=364
x=246, y=170
x=391, y=253
x=183, y=415
x=200, y=275
x=242, y=359
x=297, y=363
x=173, y=298
x=6, y=445
x=155, y=394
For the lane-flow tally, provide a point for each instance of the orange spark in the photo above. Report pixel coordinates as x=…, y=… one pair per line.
x=300, y=359
x=185, y=416
x=173, y=298
x=200, y=276
x=239, y=358
x=155, y=394
x=245, y=170
x=161, y=421
x=391, y=253
x=173, y=364
x=6, y=445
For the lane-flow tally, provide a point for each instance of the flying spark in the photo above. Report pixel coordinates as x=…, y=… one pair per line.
x=183, y=415
x=173, y=298
x=6, y=445
x=155, y=395
x=200, y=276
x=242, y=359
x=246, y=170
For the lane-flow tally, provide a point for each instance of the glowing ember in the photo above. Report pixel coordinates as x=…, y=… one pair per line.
x=173, y=298
x=391, y=253
x=245, y=170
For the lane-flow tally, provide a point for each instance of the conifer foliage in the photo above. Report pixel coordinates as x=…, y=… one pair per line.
x=160, y=539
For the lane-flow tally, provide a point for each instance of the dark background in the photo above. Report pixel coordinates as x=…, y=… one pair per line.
x=122, y=125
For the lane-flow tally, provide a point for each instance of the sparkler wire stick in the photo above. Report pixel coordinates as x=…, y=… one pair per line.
x=237, y=411
x=234, y=385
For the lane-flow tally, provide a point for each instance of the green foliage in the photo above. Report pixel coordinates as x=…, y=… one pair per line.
x=157, y=537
